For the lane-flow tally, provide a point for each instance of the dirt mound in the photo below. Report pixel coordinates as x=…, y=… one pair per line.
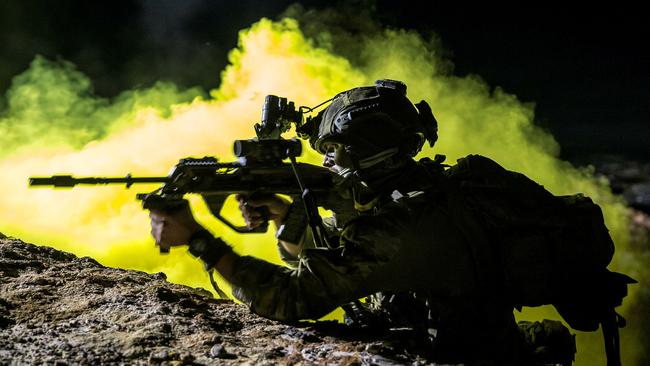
x=58, y=309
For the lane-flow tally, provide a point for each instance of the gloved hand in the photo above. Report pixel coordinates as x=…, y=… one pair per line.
x=258, y=209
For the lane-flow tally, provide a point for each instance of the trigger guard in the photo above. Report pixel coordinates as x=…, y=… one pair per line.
x=244, y=229
x=215, y=204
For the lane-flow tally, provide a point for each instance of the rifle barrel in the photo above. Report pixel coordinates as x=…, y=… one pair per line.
x=70, y=181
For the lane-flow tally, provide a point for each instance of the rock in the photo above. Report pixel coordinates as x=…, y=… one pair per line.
x=219, y=351
x=159, y=356
x=56, y=308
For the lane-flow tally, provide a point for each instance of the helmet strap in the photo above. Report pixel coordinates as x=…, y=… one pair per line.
x=373, y=160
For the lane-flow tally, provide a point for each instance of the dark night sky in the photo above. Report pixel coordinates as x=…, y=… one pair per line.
x=586, y=71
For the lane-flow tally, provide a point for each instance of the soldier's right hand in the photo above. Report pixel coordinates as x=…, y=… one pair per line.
x=258, y=209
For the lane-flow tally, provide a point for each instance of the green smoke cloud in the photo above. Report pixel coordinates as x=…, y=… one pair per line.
x=52, y=105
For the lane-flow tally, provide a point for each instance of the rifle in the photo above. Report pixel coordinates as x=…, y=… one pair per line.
x=259, y=170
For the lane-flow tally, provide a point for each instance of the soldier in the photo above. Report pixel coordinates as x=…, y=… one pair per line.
x=403, y=251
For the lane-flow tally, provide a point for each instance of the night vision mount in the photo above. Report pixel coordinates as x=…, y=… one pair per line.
x=278, y=114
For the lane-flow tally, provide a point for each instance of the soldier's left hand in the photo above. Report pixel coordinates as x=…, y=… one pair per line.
x=173, y=228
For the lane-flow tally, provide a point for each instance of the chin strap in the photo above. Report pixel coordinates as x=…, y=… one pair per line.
x=373, y=160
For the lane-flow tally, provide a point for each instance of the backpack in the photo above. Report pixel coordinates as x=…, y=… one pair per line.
x=536, y=248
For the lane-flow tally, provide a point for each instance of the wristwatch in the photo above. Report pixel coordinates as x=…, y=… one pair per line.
x=205, y=246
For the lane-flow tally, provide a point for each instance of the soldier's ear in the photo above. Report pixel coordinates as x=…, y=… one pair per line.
x=412, y=144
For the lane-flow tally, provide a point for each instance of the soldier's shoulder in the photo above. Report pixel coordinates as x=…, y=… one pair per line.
x=370, y=227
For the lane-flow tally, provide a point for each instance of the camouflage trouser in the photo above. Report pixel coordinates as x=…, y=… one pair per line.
x=458, y=336
x=537, y=343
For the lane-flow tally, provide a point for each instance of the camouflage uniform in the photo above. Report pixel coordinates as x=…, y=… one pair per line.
x=415, y=261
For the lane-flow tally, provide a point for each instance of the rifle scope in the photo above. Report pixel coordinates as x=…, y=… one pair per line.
x=267, y=150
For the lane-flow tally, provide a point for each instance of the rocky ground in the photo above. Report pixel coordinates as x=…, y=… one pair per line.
x=57, y=309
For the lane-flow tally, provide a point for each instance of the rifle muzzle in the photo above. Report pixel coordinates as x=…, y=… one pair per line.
x=55, y=180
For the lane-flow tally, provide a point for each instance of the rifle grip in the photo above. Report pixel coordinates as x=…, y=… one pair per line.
x=215, y=203
x=266, y=216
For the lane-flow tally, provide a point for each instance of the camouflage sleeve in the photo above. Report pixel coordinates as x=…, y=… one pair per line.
x=332, y=230
x=324, y=278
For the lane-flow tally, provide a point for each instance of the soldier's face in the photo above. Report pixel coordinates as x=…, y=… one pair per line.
x=336, y=157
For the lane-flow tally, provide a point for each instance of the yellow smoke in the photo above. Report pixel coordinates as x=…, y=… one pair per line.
x=58, y=127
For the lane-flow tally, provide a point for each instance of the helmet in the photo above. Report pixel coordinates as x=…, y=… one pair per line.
x=375, y=122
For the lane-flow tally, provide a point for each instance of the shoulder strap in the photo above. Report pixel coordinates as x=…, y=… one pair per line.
x=610, y=324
